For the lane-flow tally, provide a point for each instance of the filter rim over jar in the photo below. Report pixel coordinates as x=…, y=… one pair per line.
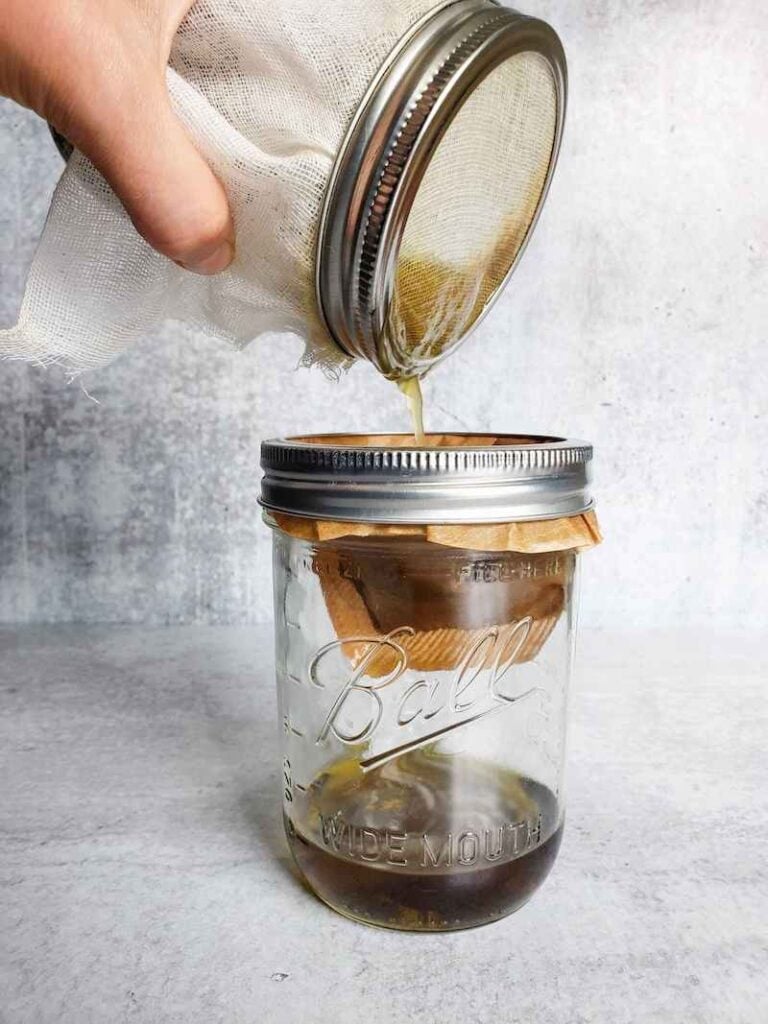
x=386, y=153
x=387, y=479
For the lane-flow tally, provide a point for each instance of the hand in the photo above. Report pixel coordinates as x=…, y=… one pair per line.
x=95, y=69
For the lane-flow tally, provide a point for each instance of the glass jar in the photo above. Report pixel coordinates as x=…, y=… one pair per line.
x=425, y=606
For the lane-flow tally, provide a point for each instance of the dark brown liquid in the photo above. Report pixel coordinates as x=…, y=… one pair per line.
x=417, y=846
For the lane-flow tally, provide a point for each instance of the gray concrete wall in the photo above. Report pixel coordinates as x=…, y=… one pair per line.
x=638, y=320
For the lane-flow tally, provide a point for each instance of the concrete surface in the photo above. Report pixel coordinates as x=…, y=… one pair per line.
x=144, y=878
x=637, y=320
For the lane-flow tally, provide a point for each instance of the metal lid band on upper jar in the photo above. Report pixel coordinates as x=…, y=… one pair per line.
x=384, y=479
x=386, y=154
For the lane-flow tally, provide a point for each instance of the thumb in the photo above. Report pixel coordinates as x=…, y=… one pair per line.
x=168, y=190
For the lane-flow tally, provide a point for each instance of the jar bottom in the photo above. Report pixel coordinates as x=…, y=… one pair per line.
x=445, y=880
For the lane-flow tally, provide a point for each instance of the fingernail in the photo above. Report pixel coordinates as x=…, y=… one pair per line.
x=213, y=263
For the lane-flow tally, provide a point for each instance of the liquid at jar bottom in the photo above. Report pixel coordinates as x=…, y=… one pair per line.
x=444, y=876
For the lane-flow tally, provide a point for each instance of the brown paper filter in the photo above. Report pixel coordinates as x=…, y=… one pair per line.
x=549, y=535
x=378, y=578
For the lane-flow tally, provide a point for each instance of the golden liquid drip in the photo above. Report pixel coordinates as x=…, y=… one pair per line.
x=411, y=388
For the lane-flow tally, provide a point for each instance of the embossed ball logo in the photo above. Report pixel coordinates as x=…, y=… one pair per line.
x=364, y=706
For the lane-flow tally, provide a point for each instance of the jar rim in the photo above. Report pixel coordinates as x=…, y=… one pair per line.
x=387, y=478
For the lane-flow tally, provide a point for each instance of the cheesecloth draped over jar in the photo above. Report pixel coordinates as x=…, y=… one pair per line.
x=268, y=90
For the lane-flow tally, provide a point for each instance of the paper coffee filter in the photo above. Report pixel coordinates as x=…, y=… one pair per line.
x=373, y=601
x=438, y=648
x=577, y=533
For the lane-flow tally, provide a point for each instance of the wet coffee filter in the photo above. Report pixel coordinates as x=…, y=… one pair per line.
x=391, y=579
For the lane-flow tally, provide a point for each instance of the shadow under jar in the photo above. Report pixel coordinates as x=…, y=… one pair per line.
x=425, y=605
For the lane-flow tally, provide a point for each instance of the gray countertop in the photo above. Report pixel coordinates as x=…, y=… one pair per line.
x=144, y=878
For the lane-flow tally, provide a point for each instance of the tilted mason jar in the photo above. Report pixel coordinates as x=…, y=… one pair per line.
x=425, y=608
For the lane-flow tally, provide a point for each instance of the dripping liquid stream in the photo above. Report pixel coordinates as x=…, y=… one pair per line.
x=411, y=388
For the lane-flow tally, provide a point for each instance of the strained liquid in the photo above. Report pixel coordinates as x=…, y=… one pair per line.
x=425, y=843
x=411, y=388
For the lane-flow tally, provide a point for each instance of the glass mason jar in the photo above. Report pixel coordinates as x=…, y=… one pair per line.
x=425, y=608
